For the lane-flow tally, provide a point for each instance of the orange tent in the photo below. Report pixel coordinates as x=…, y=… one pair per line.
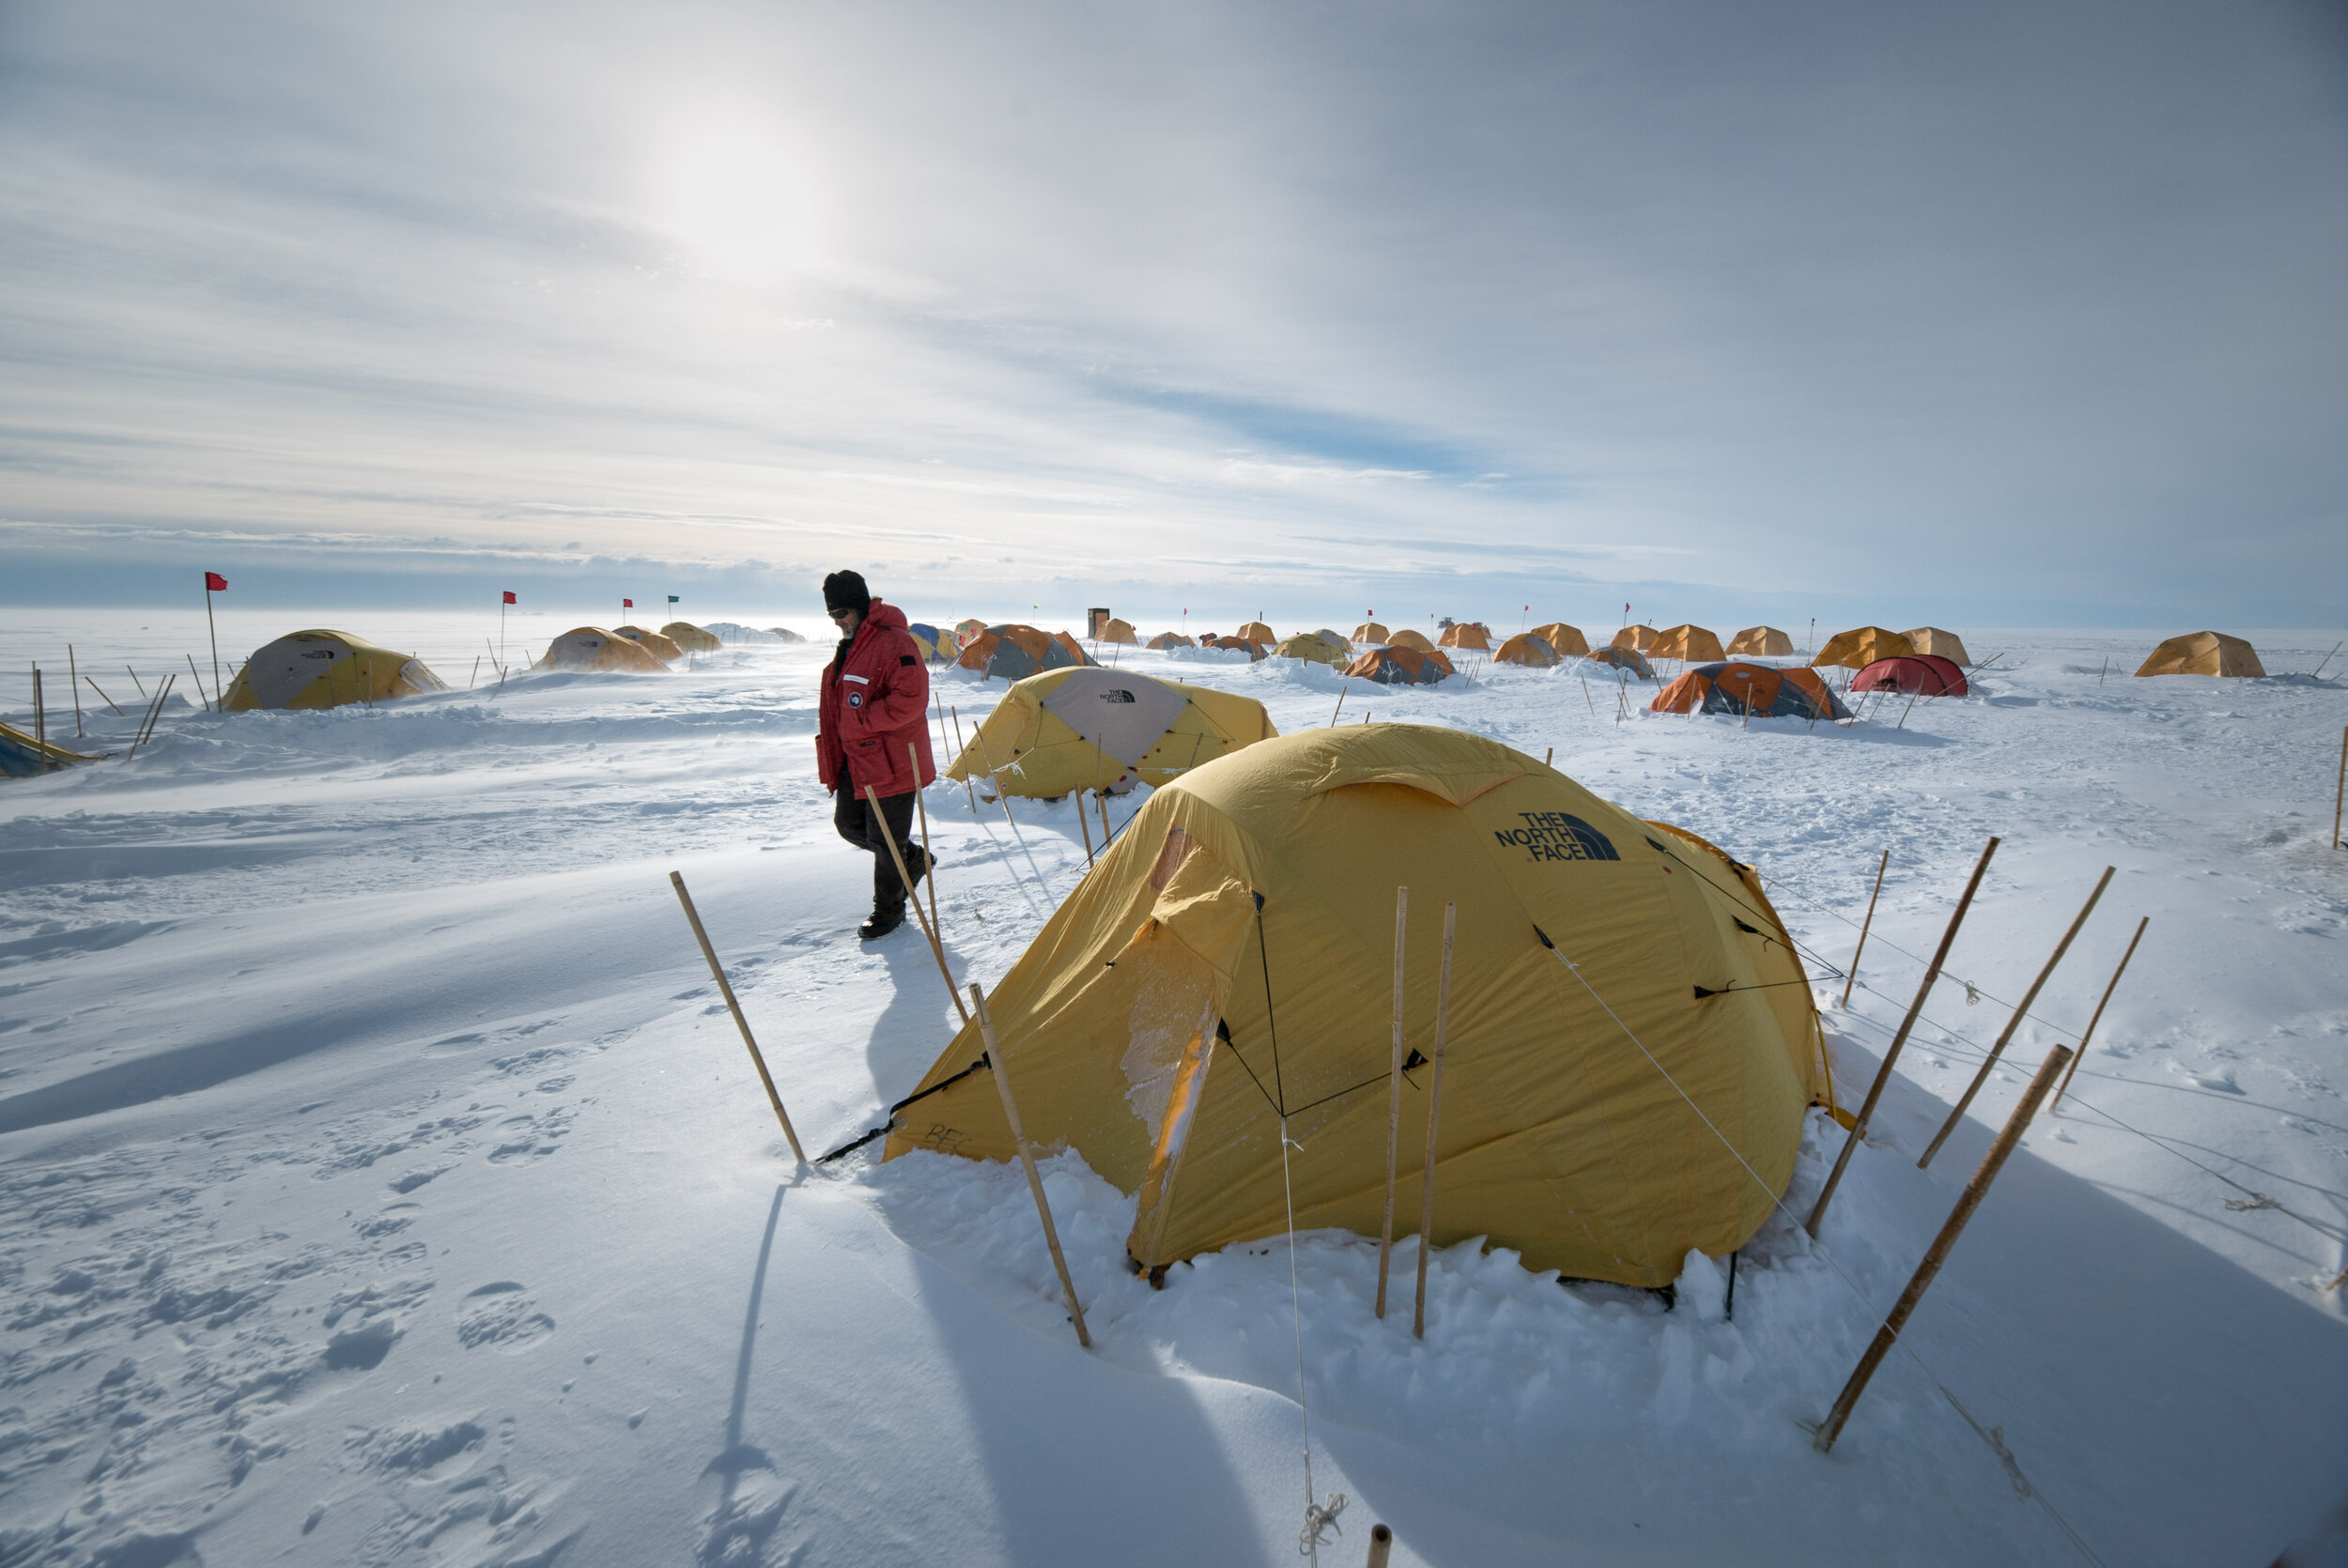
x=1567, y=640
x=1398, y=666
x=1764, y=641
x=1625, y=658
x=1469, y=635
x=1171, y=639
x=1737, y=687
x=1687, y=644
x=1256, y=650
x=1256, y=631
x=1638, y=637
x=1860, y=648
x=1015, y=651
x=1409, y=639
x=1526, y=648
x=2203, y=654
x=1369, y=631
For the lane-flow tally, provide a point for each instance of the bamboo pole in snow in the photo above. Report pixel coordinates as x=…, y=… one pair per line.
x=1852, y=978
x=1026, y=1161
x=871, y=798
x=1435, y=1112
x=2098, y=1017
x=1394, y=1093
x=725, y=989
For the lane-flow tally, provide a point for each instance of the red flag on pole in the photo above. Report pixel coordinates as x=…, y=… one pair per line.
x=214, y=582
x=509, y=597
x=627, y=604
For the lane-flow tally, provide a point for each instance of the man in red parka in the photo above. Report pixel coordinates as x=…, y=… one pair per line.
x=876, y=703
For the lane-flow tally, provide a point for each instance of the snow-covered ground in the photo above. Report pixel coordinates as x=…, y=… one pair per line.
x=384, y=1183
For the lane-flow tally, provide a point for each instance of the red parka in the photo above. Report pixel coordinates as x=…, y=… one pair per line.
x=876, y=703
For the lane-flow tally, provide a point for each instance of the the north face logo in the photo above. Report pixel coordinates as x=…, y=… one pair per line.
x=1557, y=836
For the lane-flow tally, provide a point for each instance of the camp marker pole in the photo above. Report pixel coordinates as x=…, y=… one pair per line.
x=928, y=872
x=1393, y=1096
x=1975, y=1190
x=1435, y=1109
x=2015, y=1023
x=872, y=798
x=2098, y=1017
x=726, y=989
x=1883, y=1073
x=1852, y=978
x=1026, y=1161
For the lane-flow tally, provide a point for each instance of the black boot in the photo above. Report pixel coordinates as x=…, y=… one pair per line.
x=881, y=922
x=920, y=862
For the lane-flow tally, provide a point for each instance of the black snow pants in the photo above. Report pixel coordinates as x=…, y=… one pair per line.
x=853, y=816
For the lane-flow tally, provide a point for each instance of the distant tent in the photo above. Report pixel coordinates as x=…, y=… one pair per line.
x=1927, y=673
x=1311, y=649
x=1409, y=639
x=21, y=755
x=1687, y=644
x=1256, y=896
x=1933, y=640
x=1639, y=638
x=1858, y=648
x=1398, y=666
x=1254, y=650
x=1371, y=632
x=659, y=645
x=2203, y=654
x=937, y=645
x=1119, y=631
x=1567, y=640
x=965, y=630
x=1526, y=648
x=595, y=650
x=1766, y=642
x=1624, y=658
x=325, y=670
x=1761, y=689
x=1171, y=639
x=785, y=633
x=692, y=639
x=1335, y=640
x=1469, y=635
x=1094, y=729
x=1256, y=631
x=1013, y=651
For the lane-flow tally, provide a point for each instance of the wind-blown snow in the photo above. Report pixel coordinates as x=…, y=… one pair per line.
x=385, y=1183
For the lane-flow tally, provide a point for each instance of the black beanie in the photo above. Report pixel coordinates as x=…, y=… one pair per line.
x=846, y=590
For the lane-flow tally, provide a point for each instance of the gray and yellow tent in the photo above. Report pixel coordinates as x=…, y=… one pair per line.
x=21, y=755
x=1091, y=728
x=1398, y=665
x=1567, y=641
x=2203, y=654
x=1528, y=647
x=1313, y=649
x=325, y=670
x=1230, y=962
x=1940, y=644
x=658, y=644
x=1171, y=639
x=1624, y=658
x=592, y=650
x=1012, y=651
x=692, y=639
x=1765, y=642
x=1861, y=647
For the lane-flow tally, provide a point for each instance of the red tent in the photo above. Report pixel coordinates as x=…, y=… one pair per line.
x=1927, y=674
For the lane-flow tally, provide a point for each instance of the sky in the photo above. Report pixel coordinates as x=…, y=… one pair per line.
x=2021, y=314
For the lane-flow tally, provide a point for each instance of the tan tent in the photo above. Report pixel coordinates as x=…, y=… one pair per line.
x=1171, y=639
x=1638, y=638
x=1312, y=649
x=1526, y=648
x=1468, y=635
x=1858, y=648
x=1256, y=631
x=1119, y=631
x=593, y=648
x=658, y=644
x=1624, y=658
x=1015, y=652
x=1091, y=728
x=326, y=669
x=1933, y=640
x=1230, y=960
x=1687, y=644
x=1567, y=640
x=1406, y=637
x=1765, y=642
x=692, y=639
x=2203, y=654
x=1369, y=633
x=1335, y=639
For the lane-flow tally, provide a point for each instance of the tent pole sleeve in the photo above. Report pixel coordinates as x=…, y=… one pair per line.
x=1026, y=1161
x=725, y=988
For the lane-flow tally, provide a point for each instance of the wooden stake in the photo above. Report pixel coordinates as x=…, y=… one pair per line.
x=871, y=798
x=1381, y=1543
x=1435, y=1112
x=1975, y=1190
x=1550, y=759
x=40, y=722
x=1883, y=1073
x=2340, y=791
x=199, y=684
x=1340, y=707
x=725, y=989
x=1027, y=1160
x=136, y=682
x=101, y=695
x=2098, y=1017
x=993, y=778
x=1852, y=978
x=1394, y=1093
x=73, y=683
x=1084, y=823
x=2006, y=1035
x=929, y=875
x=1103, y=800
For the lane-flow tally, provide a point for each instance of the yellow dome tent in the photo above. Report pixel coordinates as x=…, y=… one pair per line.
x=1637, y=638
x=1567, y=641
x=1406, y=637
x=658, y=644
x=1760, y=642
x=1312, y=648
x=1469, y=637
x=1253, y=901
x=1526, y=648
x=325, y=670
x=1089, y=728
x=1256, y=631
x=1862, y=647
x=1370, y=632
x=1119, y=631
x=1933, y=640
x=593, y=650
x=2203, y=654
x=1687, y=644
x=1335, y=640
x=692, y=639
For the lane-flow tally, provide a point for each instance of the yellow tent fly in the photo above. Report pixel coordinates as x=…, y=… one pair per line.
x=325, y=670
x=1091, y=728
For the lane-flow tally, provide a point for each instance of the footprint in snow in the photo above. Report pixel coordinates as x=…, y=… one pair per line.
x=501, y=1316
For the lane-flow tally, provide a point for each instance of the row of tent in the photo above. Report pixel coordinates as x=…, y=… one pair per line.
x=322, y=668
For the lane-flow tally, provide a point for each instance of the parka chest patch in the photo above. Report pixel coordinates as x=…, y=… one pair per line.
x=855, y=699
x=1557, y=836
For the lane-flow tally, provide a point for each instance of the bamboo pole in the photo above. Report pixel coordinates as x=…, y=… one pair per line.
x=937, y=951
x=2006, y=1035
x=73, y=683
x=40, y=722
x=2340, y=791
x=1026, y=1161
x=1084, y=824
x=968, y=788
x=1381, y=1543
x=1937, y=1254
x=995, y=778
x=1883, y=1073
x=928, y=872
x=1103, y=801
x=476, y=672
x=1852, y=978
x=1340, y=707
x=2098, y=1017
x=213, y=629
x=101, y=695
x=1435, y=1112
x=1394, y=1093
x=136, y=682
x=725, y=989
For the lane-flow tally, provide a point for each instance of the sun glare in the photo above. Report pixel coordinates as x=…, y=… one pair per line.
x=732, y=188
